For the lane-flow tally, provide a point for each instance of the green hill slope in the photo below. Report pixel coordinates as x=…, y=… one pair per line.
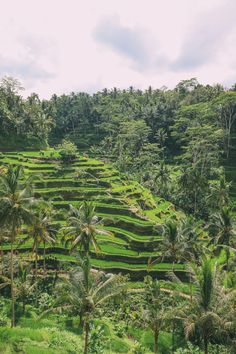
x=135, y=215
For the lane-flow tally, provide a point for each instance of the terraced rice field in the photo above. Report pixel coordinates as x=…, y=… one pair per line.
x=134, y=214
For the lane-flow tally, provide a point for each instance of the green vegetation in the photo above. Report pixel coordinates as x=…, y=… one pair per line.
x=121, y=236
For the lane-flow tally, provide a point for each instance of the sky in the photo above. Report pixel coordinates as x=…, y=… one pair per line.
x=60, y=46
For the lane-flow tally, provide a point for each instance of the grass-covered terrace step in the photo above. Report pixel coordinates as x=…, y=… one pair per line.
x=47, y=183
x=27, y=164
x=70, y=192
x=108, y=252
x=113, y=209
x=136, y=271
x=123, y=222
x=135, y=240
x=104, y=199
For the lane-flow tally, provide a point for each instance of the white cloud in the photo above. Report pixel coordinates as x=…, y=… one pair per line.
x=60, y=46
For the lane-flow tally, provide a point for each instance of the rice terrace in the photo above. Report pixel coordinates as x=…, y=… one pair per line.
x=131, y=210
x=118, y=177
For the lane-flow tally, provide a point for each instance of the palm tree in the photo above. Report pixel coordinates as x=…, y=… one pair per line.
x=172, y=246
x=41, y=231
x=225, y=231
x=161, y=179
x=23, y=285
x=155, y=313
x=83, y=227
x=85, y=291
x=191, y=231
x=219, y=195
x=16, y=199
x=201, y=316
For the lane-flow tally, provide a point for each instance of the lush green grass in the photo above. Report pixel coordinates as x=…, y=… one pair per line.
x=55, y=334
x=39, y=341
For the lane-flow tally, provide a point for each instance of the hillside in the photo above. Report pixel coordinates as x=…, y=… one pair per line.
x=131, y=212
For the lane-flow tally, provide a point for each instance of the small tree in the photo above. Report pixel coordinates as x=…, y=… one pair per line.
x=67, y=151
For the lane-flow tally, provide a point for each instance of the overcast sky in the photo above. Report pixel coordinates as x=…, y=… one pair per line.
x=59, y=46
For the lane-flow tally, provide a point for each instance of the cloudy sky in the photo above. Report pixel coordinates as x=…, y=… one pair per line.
x=59, y=46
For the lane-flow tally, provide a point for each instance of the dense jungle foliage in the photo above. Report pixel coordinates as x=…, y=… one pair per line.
x=117, y=217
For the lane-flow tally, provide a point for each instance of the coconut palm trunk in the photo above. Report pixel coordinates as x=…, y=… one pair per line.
x=13, y=315
x=36, y=273
x=13, y=319
x=2, y=254
x=36, y=262
x=173, y=338
x=227, y=253
x=44, y=257
x=156, y=336
x=205, y=345
x=86, y=335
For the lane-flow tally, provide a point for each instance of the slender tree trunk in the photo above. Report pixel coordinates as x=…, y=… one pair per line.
x=191, y=288
x=86, y=335
x=2, y=255
x=173, y=266
x=36, y=263
x=173, y=338
x=81, y=318
x=23, y=307
x=156, y=335
x=13, y=319
x=227, y=253
x=195, y=201
x=44, y=257
x=36, y=275
x=205, y=346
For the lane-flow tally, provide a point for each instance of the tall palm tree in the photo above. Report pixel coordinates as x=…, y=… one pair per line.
x=83, y=227
x=219, y=195
x=201, y=316
x=155, y=313
x=24, y=286
x=16, y=198
x=162, y=178
x=191, y=231
x=224, y=231
x=41, y=231
x=86, y=291
x=172, y=246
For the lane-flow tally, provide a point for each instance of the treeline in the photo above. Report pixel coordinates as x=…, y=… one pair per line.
x=118, y=115
x=24, y=123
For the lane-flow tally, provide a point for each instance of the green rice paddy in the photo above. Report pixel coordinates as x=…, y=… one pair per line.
x=134, y=236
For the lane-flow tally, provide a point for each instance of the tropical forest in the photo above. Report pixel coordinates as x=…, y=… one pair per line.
x=118, y=220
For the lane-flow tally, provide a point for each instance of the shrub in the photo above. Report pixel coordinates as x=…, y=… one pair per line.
x=97, y=341
x=137, y=349
x=70, y=343
x=45, y=301
x=190, y=349
x=118, y=345
x=67, y=151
